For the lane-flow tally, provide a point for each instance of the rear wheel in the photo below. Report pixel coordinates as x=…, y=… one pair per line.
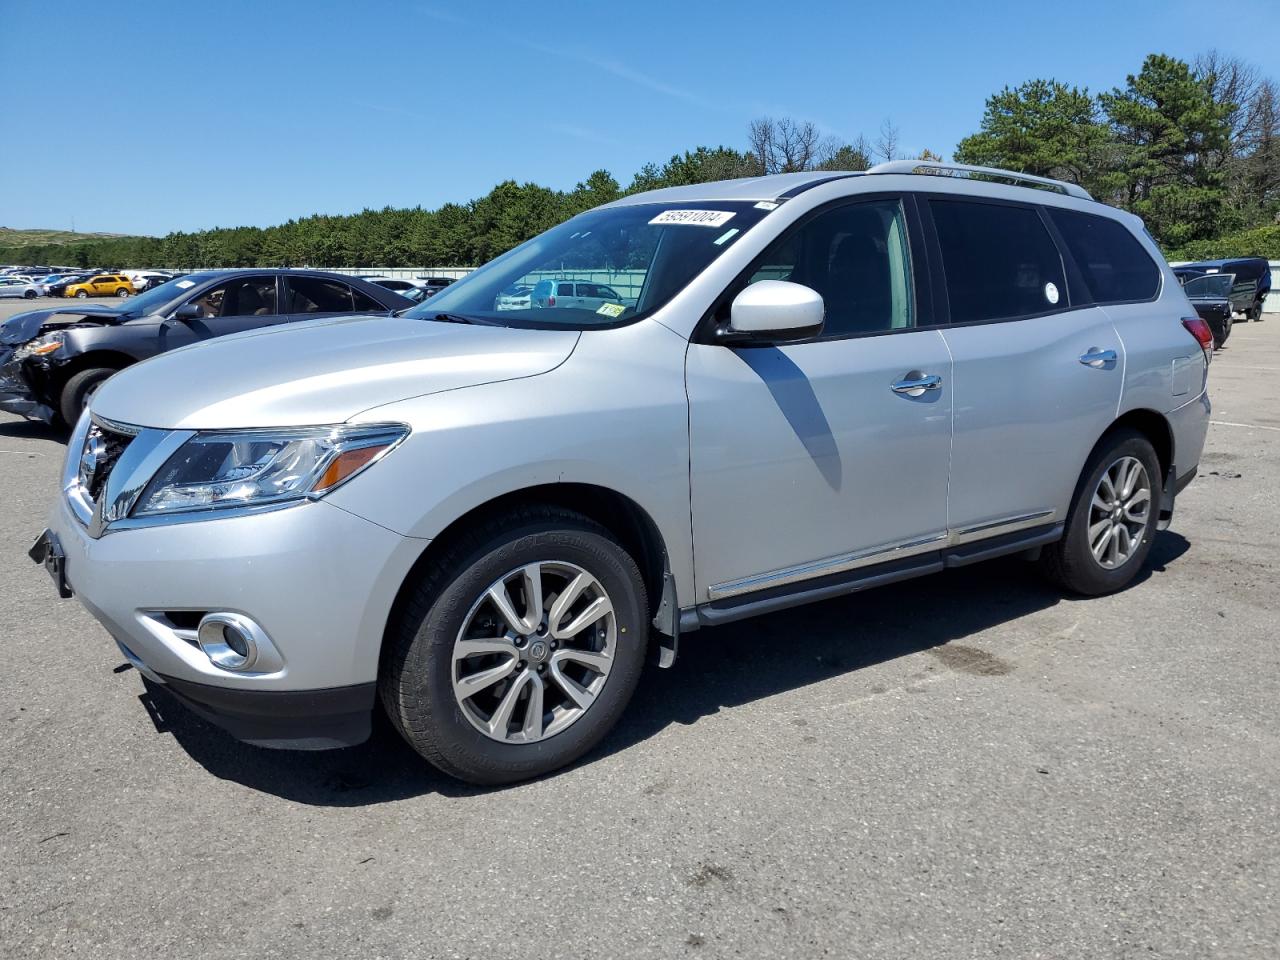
x=79, y=390
x=1226, y=331
x=122, y=293
x=1112, y=521
x=518, y=651
x=82, y=294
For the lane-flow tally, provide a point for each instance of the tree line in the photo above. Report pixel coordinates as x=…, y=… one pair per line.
x=1193, y=148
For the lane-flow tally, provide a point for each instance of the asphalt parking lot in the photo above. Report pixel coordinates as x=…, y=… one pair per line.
x=969, y=765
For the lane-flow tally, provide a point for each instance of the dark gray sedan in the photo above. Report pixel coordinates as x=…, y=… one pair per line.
x=51, y=361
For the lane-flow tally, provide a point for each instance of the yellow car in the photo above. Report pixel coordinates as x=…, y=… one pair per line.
x=101, y=285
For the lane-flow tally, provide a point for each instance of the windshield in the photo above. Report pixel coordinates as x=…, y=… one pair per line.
x=603, y=268
x=157, y=297
x=1211, y=285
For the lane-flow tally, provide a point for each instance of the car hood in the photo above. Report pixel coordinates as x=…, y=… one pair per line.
x=321, y=371
x=22, y=327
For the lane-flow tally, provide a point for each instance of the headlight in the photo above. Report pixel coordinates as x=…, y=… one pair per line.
x=40, y=347
x=242, y=468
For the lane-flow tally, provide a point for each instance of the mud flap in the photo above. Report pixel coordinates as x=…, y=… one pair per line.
x=666, y=623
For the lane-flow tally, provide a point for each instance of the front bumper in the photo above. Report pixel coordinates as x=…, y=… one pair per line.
x=15, y=392
x=319, y=581
x=285, y=720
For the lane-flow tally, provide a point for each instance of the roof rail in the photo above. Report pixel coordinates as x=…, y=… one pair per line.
x=966, y=171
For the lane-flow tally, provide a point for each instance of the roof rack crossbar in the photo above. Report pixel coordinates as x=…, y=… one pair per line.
x=934, y=168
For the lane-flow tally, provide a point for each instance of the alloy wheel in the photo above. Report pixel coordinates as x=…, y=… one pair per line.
x=1119, y=512
x=534, y=652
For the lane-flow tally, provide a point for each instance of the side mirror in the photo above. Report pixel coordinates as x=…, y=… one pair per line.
x=771, y=311
x=188, y=311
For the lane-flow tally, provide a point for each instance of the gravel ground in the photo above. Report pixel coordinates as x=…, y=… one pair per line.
x=968, y=765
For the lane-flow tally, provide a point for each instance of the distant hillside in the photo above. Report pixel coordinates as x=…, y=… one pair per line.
x=33, y=238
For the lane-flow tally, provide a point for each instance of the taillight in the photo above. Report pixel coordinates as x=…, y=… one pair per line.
x=551, y=301
x=1204, y=336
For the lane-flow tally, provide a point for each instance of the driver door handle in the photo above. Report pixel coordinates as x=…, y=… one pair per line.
x=915, y=384
x=1097, y=358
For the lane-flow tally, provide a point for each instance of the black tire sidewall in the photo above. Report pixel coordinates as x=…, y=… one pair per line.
x=71, y=404
x=1086, y=574
x=457, y=746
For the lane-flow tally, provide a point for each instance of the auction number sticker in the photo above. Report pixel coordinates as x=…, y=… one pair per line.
x=1051, y=292
x=613, y=310
x=694, y=218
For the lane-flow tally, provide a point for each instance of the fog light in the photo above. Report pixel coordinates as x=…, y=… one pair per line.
x=230, y=640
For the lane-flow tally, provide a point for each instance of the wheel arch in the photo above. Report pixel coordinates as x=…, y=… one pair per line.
x=1154, y=426
x=112, y=359
x=622, y=516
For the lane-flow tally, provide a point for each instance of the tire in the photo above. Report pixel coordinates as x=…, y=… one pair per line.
x=82, y=294
x=1226, y=332
x=29, y=295
x=1071, y=562
x=78, y=390
x=122, y=293
x=416, y=681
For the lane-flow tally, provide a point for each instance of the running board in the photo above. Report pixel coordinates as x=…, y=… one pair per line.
x=864, y=578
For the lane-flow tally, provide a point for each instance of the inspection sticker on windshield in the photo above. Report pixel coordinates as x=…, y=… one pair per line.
x=694, y=218
x=183, y=284
x=613, y=310
x=766, y=205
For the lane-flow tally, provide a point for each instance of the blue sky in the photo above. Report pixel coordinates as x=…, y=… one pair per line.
x=151, y=117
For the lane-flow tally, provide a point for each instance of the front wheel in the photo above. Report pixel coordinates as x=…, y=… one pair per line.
x=29, y=295
x=1112, y=521
x=519, y=649
x=79, y=390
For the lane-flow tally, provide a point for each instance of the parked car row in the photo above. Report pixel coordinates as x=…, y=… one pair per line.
x=417, y=290
x=24, y=282
x=479, y=514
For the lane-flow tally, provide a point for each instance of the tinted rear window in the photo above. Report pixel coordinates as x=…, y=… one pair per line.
x=1114, y=264
x=1000, y=261
x=318, y=295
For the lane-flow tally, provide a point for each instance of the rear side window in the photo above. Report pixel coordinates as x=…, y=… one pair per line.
x=1115, y=266
x=1000, y=262
x=365, y=303
x=564, y=290
x=315, y=295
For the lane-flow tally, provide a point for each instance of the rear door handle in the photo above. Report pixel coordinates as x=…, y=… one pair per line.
x=1097, y=358
x=915, y=384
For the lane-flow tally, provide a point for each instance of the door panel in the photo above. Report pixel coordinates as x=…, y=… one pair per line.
x=1027, y=413
x=244, y=303
x=804, y=454
x=1028, y=407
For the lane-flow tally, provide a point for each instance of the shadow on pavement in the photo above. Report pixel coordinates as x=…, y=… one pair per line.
x=718, y=667
x=32, y=430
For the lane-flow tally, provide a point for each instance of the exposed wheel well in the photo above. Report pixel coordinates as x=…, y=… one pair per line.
x=621, y=515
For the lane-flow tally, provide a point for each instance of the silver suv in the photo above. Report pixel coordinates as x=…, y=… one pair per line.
x=485, y=518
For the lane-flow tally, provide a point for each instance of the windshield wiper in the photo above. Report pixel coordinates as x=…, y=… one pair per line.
x=459, y=318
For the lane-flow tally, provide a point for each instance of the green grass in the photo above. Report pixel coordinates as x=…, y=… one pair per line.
x=34, y=238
